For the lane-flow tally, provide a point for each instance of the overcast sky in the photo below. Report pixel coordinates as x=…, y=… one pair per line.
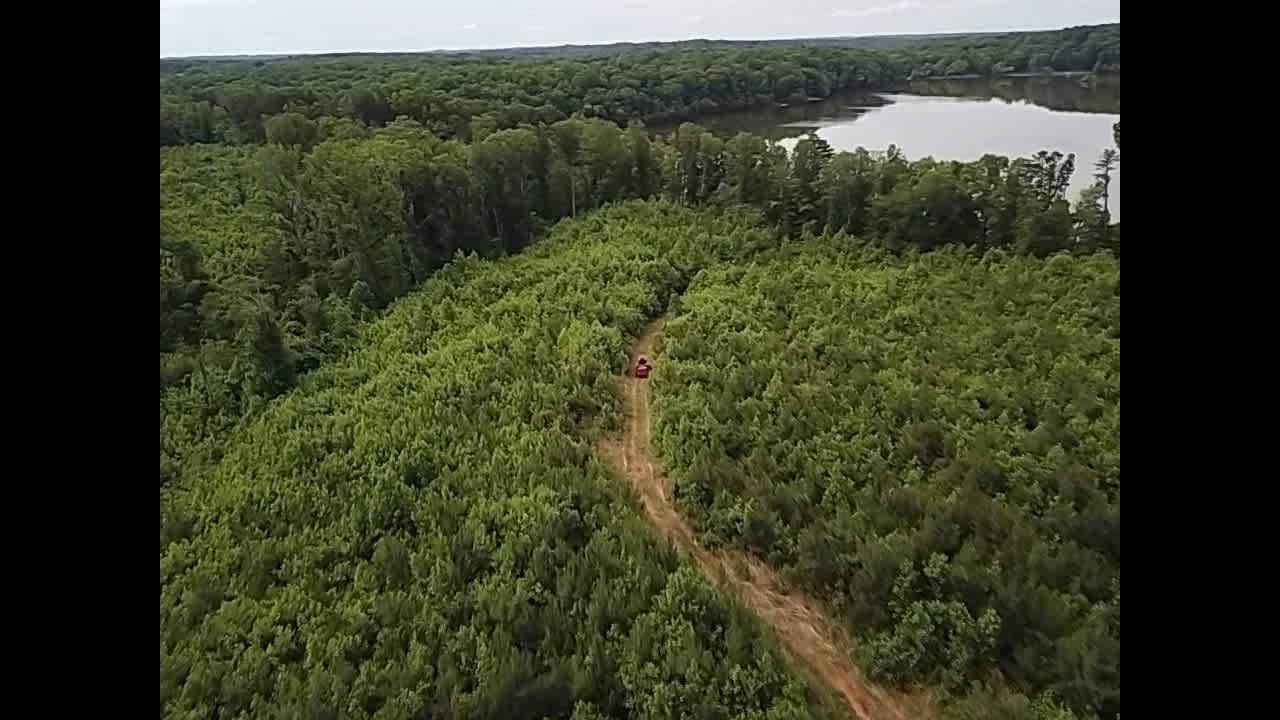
x=222, y=27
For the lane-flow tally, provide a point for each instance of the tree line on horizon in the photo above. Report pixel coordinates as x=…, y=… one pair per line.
x=468, y=97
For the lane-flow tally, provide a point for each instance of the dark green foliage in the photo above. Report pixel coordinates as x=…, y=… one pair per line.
x=985, y=702
x=1077, y=49
x=931, y=441
x=423, y=530
x=466, y=97
x=933, y=212
x=182, y=287
x=291, y=130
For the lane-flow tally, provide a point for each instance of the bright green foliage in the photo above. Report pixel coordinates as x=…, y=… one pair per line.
x=930, y=440
x=423, y=529
x=674, y=672
x=270, y=257
x=210, y=199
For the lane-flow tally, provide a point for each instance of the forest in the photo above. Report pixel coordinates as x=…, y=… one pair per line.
x=929, y=440
x=390, y=333
x=468, y=97
x=271, y=257
x=422, y=529
x=1079, y=49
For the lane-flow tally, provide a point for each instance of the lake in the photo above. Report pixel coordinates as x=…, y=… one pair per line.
x=958, y=119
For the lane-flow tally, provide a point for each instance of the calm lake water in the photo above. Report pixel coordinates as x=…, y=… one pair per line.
x=959, y=120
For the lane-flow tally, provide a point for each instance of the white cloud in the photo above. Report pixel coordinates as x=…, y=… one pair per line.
x=693, y=19
x=534, y=28
x=468, y=26
x=896, y=7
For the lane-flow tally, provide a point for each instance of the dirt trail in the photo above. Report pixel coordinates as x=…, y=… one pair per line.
x=798, y=621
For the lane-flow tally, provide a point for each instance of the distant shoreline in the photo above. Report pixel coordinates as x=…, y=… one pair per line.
x=890, y=41
x=1020, y=75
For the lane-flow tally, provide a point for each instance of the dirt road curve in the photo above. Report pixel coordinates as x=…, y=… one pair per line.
x=804, y=631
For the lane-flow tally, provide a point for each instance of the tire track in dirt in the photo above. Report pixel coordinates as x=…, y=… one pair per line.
x=805, y=631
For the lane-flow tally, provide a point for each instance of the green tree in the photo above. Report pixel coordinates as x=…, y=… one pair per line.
x=848, y=185
x=1105, y=164
x=291, y=130
x=268, y=368
x=1092, y=219
x=1045, y=231
x=930, y=212
x=809, y=159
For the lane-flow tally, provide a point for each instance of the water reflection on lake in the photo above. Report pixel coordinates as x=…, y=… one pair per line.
x=958, y=120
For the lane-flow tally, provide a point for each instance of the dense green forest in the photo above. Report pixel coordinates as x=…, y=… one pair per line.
x=423, y=529
x=468, y=97
x=395, y=294
x=931, y=441
x=271, y=256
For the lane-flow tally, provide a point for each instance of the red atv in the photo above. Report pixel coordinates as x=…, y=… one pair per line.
x=642, y=368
